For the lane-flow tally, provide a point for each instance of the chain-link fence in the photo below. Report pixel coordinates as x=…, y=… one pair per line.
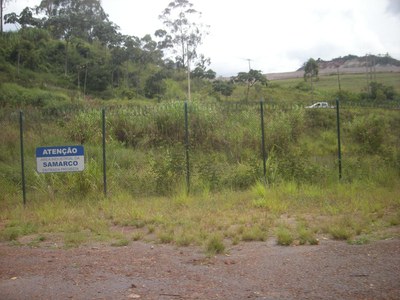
x=152, y=150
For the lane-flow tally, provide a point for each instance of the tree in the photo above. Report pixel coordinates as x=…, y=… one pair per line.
x=155, y=86
x=2, y=6
x=311, y=70
x=201, y=70
x=381, y=92
x=183, y=33
x=223, y=87
x=28, y=48
x=85, y=19
x=77, y=19
x=250, y=78
x=25, y=19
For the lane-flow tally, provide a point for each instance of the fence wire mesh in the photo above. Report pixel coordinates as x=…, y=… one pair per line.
x=146, y=146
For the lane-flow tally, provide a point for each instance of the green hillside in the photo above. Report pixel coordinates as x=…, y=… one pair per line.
x=194, y=179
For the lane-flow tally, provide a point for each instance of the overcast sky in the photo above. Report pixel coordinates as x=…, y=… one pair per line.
x=277, y=35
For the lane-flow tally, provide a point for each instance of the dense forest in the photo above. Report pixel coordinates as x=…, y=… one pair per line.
x=81, y=48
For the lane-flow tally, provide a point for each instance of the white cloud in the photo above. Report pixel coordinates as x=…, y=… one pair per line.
x=277, y=35
x=394, y=6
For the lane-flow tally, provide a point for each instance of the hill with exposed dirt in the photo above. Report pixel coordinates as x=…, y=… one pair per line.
x=350, y=64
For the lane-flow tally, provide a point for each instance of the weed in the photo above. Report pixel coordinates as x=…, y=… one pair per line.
x=340, y=233
x=41, y=238
x=184, y=240
x=235, y=240
x=362, y=240
x=305, y=235
x=269, y=199
x=273, y=204
x=254, y=233
x=166, y=237
x=120, y=243
x=36, y=241
x=284, y=236
x=13, y=231
x=215, y=245
x=74, y=239
x=137, y=236
x=151, y=228
x=394, y=220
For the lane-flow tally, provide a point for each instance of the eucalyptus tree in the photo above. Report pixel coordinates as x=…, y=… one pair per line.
x=201, y=70
x=85, y=19
x=24, y=19
x=183, y=33
x=250, y=79
x=2, y=6
x=311, y=70
x=77, y=19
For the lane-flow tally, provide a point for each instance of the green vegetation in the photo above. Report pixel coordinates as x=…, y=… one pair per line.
x=215, y=245
x=61, y=79
x=228, y=203
x=72, y=52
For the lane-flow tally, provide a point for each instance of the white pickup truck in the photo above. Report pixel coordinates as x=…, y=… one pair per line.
x=320, y=105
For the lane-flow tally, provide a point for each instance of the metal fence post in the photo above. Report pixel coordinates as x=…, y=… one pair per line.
x=21, y=134
x=338, y=137
x=103, y=113
x=187, y=148
x=264, y=153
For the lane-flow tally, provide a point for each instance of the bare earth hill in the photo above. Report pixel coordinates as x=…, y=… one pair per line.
x=349, y=64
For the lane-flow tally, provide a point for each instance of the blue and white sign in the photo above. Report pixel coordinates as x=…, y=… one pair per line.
x=60, y=159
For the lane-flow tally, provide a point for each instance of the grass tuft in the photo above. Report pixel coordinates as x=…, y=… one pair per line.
x=254, y=233
x=120, y=243
x=215, y=245
x=284, y=236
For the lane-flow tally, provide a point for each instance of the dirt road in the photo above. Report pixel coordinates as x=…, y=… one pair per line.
x=255, y=270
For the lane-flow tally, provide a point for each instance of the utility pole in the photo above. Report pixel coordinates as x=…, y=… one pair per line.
x=366, y=73
x=338, y=78
x=370, y=71
x=249, y=60
x=248, y=82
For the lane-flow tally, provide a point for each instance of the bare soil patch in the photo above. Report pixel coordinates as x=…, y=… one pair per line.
x=255, y=270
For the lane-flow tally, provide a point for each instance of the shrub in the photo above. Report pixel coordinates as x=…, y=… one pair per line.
x=85, y=127
x=303, y=86
x=12, y=95
x=283, y=129
x=320, y=119
x=168, y=170
x=369, y=132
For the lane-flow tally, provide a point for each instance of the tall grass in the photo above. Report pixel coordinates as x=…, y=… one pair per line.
x=229, y=197
x=146, y=153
